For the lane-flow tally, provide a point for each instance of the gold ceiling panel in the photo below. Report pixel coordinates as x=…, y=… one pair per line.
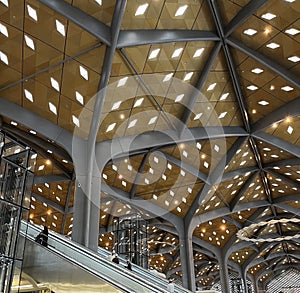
x=242, y=216
x=230, y=8
x=101, y=10
x=280, y=188
x=68, y=225
x=291, y=172
x=13, y=94
x=240, y=256
x=287, y=130
x=45, y=167
x=13, y=14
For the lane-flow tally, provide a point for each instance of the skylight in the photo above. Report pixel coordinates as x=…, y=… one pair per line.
x=3, y=30
x=75, y=120
x=224, y=96
x=268, y=16
x=222, y=115
x=83, y=72
x=116, y=105
x=188, y=76
x=181, y=10
x=29, y=42
x=257, y=70
x=5, y=2
x=252, y=87
x=250, y=32
x=79, y=98
x=99, y=2
x=28, y=95
x=54, y=83
x=290, y=129
x=198, y=116
x=138, y=102
x=122, y=81
x=152, y=120
x=3, y=58
x=52, y=108
x=198, y=53
x=32, y=12
x=168, y=77
x=132, y=123
x=263, y=103
x=177, y=52
x=287, y=88
x=273, y=45
x=141, y=9
x=154, y=53
x=111, y=127
x=292, y=31
x=179, y=98
x=294, y=58
x=211, y=86
x=60, y=27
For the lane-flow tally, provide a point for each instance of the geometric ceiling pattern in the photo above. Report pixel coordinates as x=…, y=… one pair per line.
x=225, y=72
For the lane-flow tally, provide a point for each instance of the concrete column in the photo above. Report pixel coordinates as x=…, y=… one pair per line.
x=187, y=260
x=86, y=217
x=244, y=278
x=224, y=277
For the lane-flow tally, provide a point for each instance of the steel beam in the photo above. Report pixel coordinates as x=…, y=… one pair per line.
x=41, y=179
x=130, y=38
x=80, y=18
x=269, y=63
x=49, y=202
x=68, y=199
x=246, y=12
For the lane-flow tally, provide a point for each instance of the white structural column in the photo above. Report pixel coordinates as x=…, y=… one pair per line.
x=244, y=278
x=224, y=277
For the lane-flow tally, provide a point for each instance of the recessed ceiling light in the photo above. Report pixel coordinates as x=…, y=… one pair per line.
x=154, y=53
x=168, y=77
x=32, y=12
x=179, y=98
x=250, y=32
x=99, y=2
x=83, y=72
x=152, y=120
x=257, y=70
x=3, y=30
x=122, y=81
x=273, y=45
x=294, y=58
x=32, y=132
x=3, y=58
x=5, y=2
x=181, y=10
x=79, y=98
x=111, y=127
x=188, y=76
x=54, y=83
x=268, y=16
x=141, y=9
x=138, y=102
x=132, y=123
x=292, y=31
x=52, y=108
x=29, y=42
x=198, y=53
x=116, y=105
x=224, y=96
x=263, y=103
x=287, y=88
x=28, y=95
x=177, y=52
x=211, y=86
x=60, y=27
x=14, y=123
x=290, y=129
x=252, y=87
x=199, y=146
x=222, y=115
x=198, y=116
x=75, y=120
x=41, y=167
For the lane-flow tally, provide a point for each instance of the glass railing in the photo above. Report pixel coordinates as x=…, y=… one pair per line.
x=114, y=274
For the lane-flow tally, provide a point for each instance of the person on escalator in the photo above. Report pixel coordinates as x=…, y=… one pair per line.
x=128, y=265
x=116, y=259
x=42, y=238
x=170, y=287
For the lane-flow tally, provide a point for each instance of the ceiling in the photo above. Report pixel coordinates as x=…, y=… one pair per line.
x=219, y=78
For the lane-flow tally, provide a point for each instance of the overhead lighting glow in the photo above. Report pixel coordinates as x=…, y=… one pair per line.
x=75, y=120
x=3, y=58
x=54, y=83
x=79, y=98
x=52, y=108
x=141, y=9
x=250, y=32
x=154, y=53
x=83, y=72
x=29, y=42
x=3, y=30
x=257, y=70
x=28, y=95
x=60, y=27
x=294, y=58
x=32, y=12
x=268, y=16
x=292, y=31
x=111, y=127
x=5, y=2
x=263, y=103
x=181, y=10
x=273, y=45
x=177, y=52
x=211, y=87
x=188, y=76
x=122, y=81
x=198, y=53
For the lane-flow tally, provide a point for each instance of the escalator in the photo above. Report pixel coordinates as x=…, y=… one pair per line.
x=65, y=266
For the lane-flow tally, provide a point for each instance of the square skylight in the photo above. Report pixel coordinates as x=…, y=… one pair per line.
x=83, y=72
x=263, y=103
x=3, y=30
x=224, y=96
x=287, y=88
x=60, y=27
x=292, y=31
x=179, y=98
x=5, y=2
x=111, y=127
x=54, y=83
x=141, y=9
x=268, y=16
x=75, y=120
x=32, y=12
x=122, y=81
x=177, y=52
x=168, y=77
x=52, y=108
x=79, y=98
x=3, y=58
x=252, y=87
x=257, y=70
x=273, y=45
x=250, y=32
x=294, y=58
x=211, y=87
x=181, y=10
x=29, y=42
x=198, y=53
x=188, y=76
x=154, y=53
x=138, y=102
x=132, y=123
x=152, y=120
x=28, y=95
